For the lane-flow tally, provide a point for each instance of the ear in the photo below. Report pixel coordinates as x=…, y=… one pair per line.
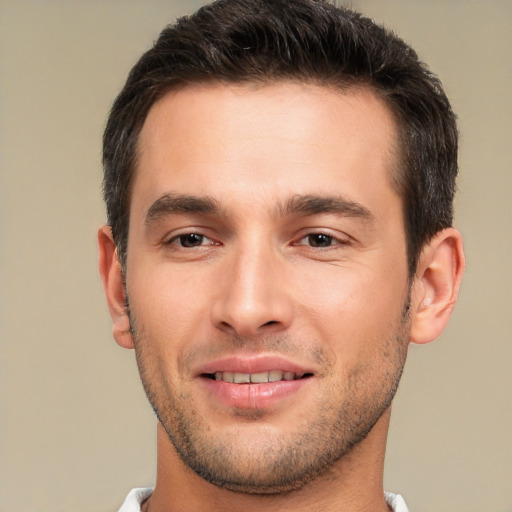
x=113, y=285
x=436, y=285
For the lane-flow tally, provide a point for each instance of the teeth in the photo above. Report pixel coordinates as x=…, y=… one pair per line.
x=255, y=378
x=259, y=377
x=227, y=377
x=275, y=375
x=242, y=378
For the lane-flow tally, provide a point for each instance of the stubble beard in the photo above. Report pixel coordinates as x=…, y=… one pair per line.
x=276, y=465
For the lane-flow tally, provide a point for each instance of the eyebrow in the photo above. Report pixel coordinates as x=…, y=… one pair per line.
x=314, y=205
x=296, y=205
x=179, y=203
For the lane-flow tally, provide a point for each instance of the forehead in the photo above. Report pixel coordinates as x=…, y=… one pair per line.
x=245, y=141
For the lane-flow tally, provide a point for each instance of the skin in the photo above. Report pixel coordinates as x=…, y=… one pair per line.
x=229, y=257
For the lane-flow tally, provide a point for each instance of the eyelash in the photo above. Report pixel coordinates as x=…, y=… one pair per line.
x=181, y=241
x=333, y=241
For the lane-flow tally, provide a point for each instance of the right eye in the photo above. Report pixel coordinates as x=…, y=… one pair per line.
x=320, y=240
x=190, y=240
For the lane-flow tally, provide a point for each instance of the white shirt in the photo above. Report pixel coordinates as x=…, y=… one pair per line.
x=137, y=496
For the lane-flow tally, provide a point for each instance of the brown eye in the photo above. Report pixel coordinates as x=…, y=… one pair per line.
x=191, y=240
x=319, y=240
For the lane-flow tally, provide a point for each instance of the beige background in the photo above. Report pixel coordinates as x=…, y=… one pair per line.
x=76, y=433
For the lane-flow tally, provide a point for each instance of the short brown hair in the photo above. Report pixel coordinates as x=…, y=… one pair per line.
x=263, y=41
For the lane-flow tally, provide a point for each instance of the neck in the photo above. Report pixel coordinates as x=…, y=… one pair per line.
x=353, y=483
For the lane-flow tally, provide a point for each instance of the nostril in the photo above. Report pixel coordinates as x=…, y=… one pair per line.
x=272, y=322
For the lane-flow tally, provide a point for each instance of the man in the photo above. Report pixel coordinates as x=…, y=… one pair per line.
x=279, y=178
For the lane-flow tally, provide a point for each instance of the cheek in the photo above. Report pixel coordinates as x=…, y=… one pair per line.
x=168, y=307
x=356, y=311
x=165, y=287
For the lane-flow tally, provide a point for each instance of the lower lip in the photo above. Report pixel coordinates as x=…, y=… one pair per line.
x=254, y=396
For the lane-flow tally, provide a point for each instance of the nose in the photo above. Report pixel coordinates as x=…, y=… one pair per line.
x=253, y=298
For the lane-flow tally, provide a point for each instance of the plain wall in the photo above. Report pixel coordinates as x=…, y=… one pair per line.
x=76, y=431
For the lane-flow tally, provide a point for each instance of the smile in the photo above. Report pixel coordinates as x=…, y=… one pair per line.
x=257, y=378
x=249, y=381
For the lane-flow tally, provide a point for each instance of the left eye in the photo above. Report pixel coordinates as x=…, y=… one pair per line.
x=318, y=240
x=191, y=240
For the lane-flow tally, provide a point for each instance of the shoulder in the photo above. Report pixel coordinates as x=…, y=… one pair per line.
x=396, y=502
x=135, y=498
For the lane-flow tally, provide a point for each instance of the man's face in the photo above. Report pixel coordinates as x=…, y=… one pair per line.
x=267, y=277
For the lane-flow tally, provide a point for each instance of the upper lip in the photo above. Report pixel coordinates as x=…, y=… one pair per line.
x=252, y=364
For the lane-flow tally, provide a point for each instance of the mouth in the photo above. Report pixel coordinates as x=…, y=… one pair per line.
x=255, y=382
x=256, y=378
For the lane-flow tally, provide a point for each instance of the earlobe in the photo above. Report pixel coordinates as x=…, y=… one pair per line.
x=436, y=285
x=114, y=287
